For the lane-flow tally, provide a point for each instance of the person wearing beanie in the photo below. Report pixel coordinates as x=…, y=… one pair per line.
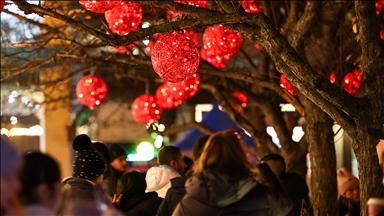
x=87, y=176
x=11, y=163
x=349, y=193
x=117, y=166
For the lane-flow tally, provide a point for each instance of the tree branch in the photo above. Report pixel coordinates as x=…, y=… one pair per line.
x=180, y=128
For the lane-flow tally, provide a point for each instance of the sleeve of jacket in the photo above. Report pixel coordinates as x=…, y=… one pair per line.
x=164, y=209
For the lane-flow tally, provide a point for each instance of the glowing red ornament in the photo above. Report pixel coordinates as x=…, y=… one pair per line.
x=332, y=77
x=146, y=109
x=241, y=98
x=149, y=48
x=190, y=86
x=169, y=95
x=287, y=85
x=382, y=34
x=379, y=6
x=123, y=50
x=251, y=6
x=2, y=3
x=174, y=58
x=124, y=18
x=196, y=3
x=99, y=6
x=220, y=44
x=91, y=91
x=257, y=46
x=352, y=82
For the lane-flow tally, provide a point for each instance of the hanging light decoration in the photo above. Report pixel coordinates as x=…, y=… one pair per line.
x=91, y=91
x=99, y=6
x=379, y=6
x=196, y=3
x=241, y=98
x=2, y=3
x=352, y=82
x=287, y=85
x=251, y=6
x=257, y=46
x=123, y=50
x=190, y=86
x=220, y=44
x=149, y=48
x=332, y=77
x=174, y=58
x=169, y=95
x=146, y=109
x=124, y=18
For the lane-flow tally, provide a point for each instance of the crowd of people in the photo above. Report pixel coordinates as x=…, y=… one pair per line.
x=221, y=180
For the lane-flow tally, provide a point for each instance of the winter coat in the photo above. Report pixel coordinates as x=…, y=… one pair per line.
x=214, y=193
x=158, y=180
x=174, y=195
x=38, y=210
x=110, y=179
x=348, y=206
x=296, y=187
x=142, y=204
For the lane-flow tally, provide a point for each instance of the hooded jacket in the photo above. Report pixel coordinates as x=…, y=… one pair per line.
x=140, y=204
x=214, y=193
x=158, y=179
x=174, y=195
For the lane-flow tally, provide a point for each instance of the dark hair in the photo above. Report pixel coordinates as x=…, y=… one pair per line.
x=199, y=146
x=167, y=154
x=277, y=158
x=188, y=163
x=131, y=183
x=38, y=169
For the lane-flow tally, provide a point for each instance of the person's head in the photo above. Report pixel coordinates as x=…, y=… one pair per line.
x=11, y=163
x=276, y=163
x=199, y=146
x=225, y=151
x=41, y=180
x=88, y=164
x=131, y=183
x=348, y=185
x=118, y=157
x=172, y=156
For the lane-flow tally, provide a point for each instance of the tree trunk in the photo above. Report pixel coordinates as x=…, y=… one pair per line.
x=369, y=169
x=320, y=136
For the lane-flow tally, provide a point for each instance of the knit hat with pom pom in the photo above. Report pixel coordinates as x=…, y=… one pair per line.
x=88, y=164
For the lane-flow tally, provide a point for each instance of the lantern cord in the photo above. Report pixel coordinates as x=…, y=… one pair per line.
x=92, y=70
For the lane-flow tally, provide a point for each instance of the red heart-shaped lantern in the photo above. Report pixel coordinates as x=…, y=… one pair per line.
x=174, y=58
x=379, y=6
x=99, y=6
x=124, y=18
x=241, y=98
x=169, y=95
x=196, y=3
x=251, y=6
x=287, y=85
x=332, y=77
x=352, y=82
x=220, y=44
x=146, y=109
x=91, y=91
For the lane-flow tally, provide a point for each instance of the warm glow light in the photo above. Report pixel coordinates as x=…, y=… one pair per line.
x=36, y=130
